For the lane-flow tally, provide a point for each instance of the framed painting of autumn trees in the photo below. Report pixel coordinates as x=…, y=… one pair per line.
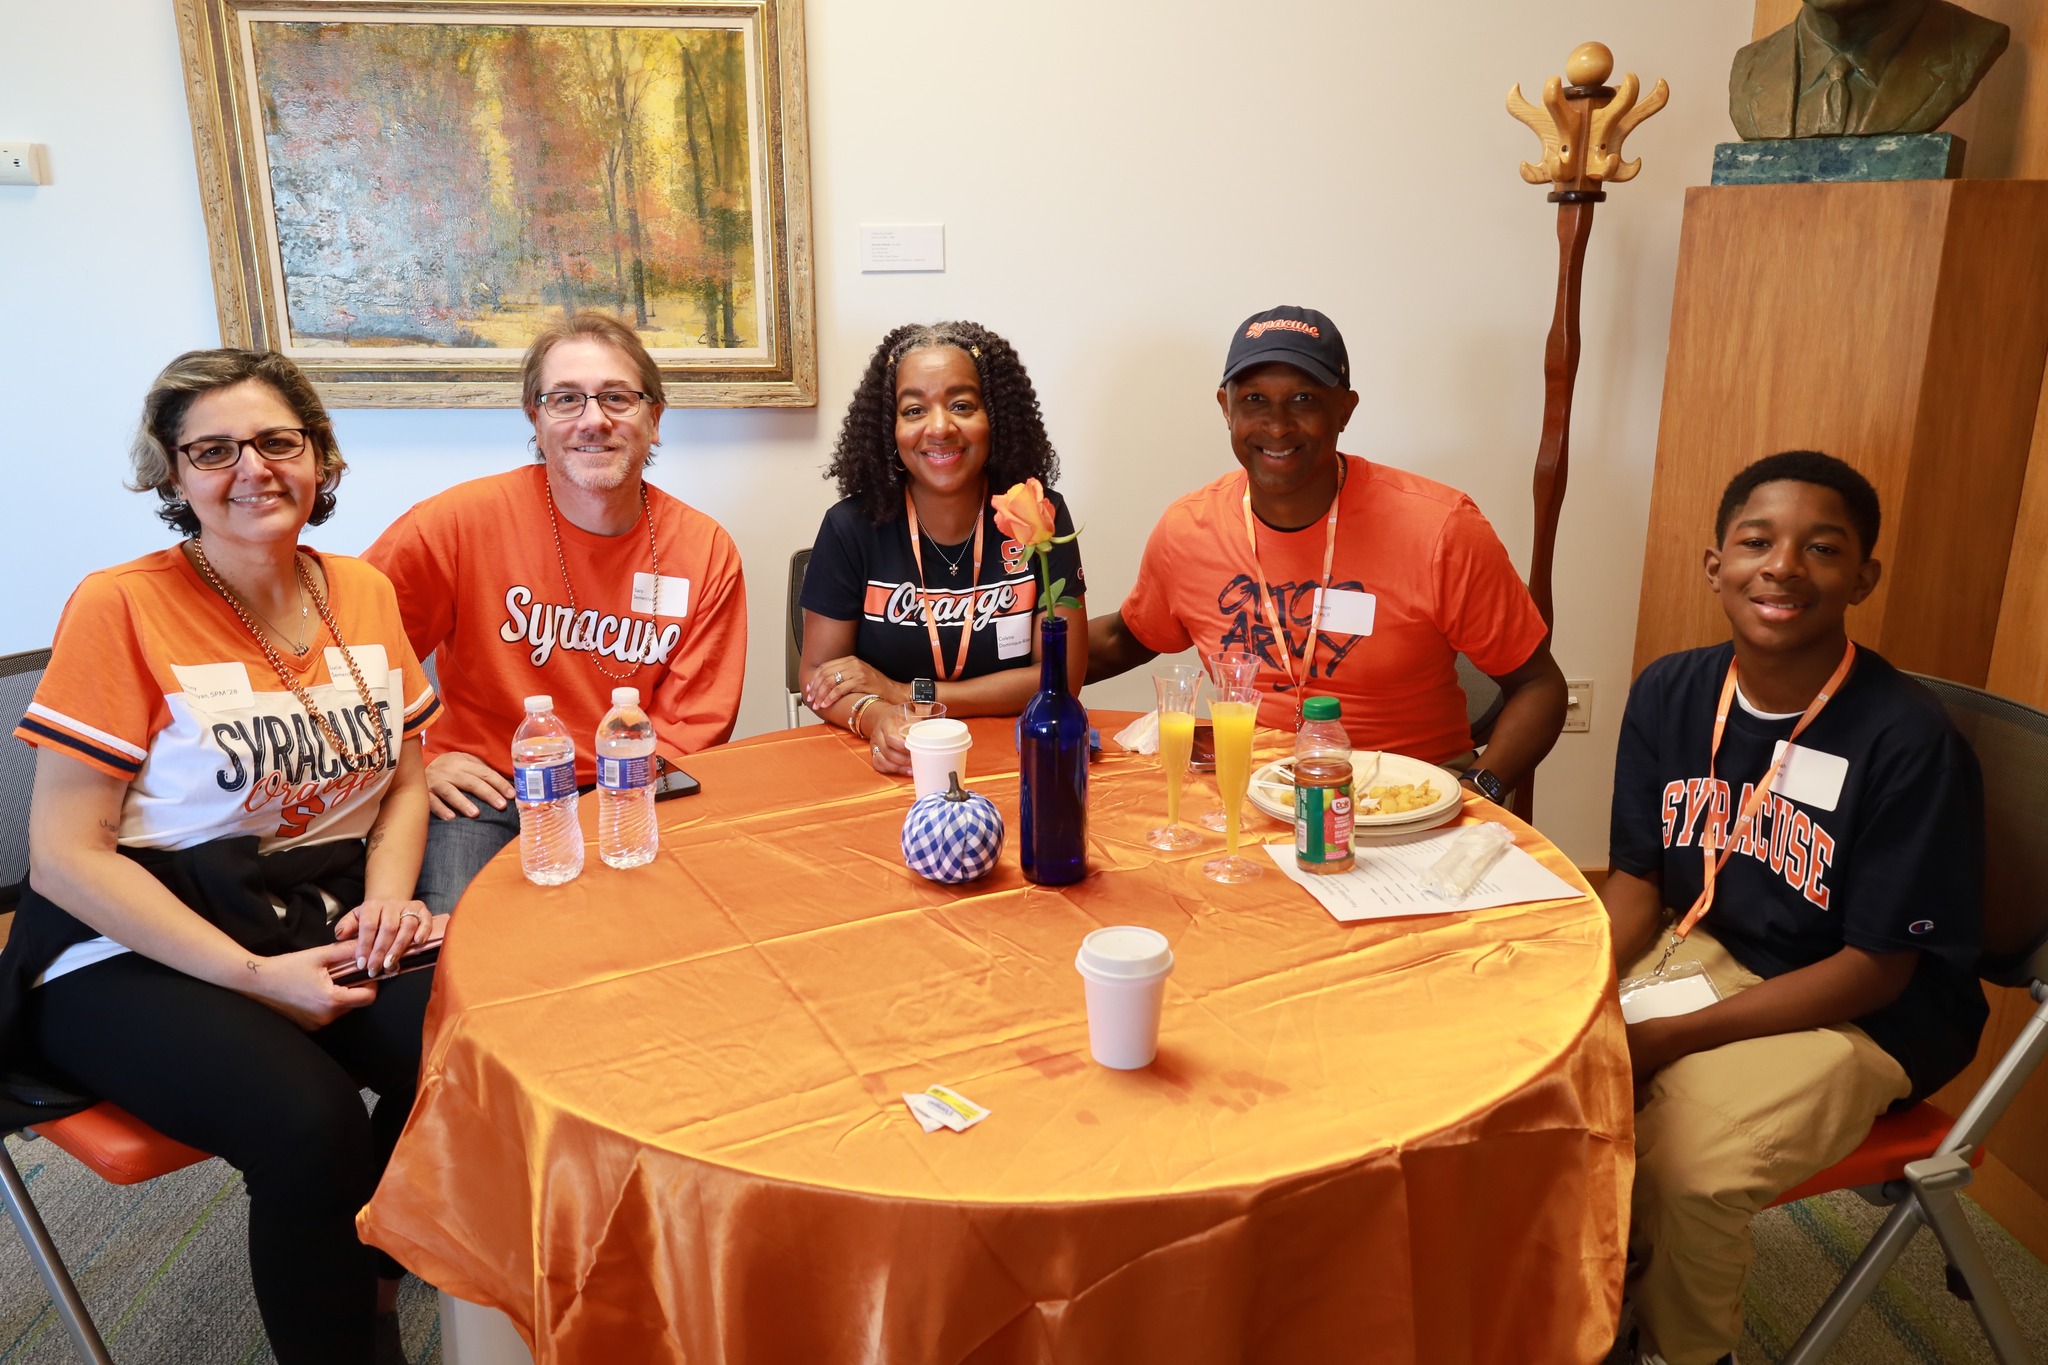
x=400, y=193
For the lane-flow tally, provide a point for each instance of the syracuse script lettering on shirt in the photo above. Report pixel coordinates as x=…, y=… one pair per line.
x=1782, y=836
x=1238, y=605
x=544, y=625
x=896, y=603
x=285, y=760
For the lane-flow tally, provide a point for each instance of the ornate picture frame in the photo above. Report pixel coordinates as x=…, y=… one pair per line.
x=400, y=193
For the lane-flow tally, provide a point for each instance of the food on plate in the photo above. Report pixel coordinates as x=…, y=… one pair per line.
x=1398, y=798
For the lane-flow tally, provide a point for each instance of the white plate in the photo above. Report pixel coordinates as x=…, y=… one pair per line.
x=1272, y=791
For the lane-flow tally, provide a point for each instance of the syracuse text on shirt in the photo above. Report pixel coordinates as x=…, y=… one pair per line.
x=629, y=639
x=1245, y=625
x=896, y=603
x=290, y=764
x=1781, y=835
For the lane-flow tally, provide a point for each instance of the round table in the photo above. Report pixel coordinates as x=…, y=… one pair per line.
x=660, y=1117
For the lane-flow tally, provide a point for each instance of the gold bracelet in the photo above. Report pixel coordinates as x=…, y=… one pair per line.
x=859, y=708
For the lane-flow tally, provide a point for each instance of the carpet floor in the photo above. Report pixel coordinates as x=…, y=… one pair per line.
x=164, y=1270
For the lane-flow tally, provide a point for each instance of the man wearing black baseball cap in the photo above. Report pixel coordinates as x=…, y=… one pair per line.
x=1347, y=578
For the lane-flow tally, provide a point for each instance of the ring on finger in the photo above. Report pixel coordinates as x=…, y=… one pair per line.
x=408, y=914
x=839, y=677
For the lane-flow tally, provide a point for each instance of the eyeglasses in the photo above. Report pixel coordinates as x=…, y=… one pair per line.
x=218, y=452
x=567, y=403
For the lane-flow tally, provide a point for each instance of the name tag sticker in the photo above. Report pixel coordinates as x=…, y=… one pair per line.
x=371, y=659
x=1013, y=636
x=1810, y=777
x=1349, y=613
x=674, y=598
x=216, y=687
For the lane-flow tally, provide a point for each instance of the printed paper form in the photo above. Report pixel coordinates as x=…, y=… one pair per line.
x=1387, y=882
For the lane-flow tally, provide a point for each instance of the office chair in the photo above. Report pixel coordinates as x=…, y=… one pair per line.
x=113, y=1143
x=1917, y=1161
x=793, y=636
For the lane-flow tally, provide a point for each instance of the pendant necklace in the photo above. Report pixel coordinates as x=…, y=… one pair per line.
x=368, y=760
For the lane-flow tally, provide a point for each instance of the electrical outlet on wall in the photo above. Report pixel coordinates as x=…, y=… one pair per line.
x=1578, y=708
x=21, y=163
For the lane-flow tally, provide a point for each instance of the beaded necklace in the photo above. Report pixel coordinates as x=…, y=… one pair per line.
x=654, y=560
x=367, y=761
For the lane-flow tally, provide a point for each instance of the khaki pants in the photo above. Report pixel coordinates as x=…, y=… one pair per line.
x=1720, y=1135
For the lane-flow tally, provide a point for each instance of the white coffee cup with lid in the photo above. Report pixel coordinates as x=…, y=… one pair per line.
x=938, y=749
x=1124, y=969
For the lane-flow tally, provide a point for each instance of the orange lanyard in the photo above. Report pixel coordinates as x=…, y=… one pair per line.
x=924, y=596
x=1266, y=602
x=1757, y=796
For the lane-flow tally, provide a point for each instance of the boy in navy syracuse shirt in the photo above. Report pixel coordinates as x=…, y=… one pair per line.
x=1842, y=930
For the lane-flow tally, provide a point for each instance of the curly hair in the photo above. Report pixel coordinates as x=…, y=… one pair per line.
x=865, y=463
x=152, y=459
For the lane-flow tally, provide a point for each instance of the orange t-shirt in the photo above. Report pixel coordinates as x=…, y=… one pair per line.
x=153, y=679
x=481, y=589
x=1418, y=578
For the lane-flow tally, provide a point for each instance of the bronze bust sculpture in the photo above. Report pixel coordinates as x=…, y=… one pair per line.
x=1857, y=67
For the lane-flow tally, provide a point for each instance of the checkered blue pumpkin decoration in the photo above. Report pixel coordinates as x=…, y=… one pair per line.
x=952, y=836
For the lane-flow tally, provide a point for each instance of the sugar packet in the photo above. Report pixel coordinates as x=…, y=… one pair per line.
x=941, y=1106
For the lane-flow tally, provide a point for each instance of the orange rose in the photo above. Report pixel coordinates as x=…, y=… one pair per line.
x=1024, y=514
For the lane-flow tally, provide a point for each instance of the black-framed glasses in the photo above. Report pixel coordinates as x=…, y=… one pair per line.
x=567, y=403
x=218, y=452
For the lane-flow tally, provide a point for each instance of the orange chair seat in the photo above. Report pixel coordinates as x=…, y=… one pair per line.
x=1894, y=1140
x=118, y=1146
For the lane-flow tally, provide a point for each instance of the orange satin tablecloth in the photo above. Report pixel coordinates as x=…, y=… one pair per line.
x=660, y=1116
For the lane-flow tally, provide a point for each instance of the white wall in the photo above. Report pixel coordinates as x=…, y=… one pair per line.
x=1120, y=184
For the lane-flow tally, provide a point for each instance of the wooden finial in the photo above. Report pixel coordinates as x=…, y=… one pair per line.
x=1583, y=123
x=1589, y=64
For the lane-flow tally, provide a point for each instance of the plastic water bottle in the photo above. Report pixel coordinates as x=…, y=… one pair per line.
x=1322, y=790
x=627, y=835
x=544, y=780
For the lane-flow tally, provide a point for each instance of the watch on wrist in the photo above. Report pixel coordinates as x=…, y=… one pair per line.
x=924, y=691
x=1486, y=784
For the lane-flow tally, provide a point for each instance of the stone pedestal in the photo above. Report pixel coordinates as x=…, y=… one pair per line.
x=1828, y=160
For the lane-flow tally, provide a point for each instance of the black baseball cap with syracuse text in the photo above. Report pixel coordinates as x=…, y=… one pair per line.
x=1300, y=337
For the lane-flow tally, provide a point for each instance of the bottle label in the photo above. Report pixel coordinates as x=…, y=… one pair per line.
x=1322, y=824
x=544, y=782
x=625, y=774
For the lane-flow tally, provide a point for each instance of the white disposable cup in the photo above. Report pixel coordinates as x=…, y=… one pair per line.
x=938, y=749
x=1123, y=971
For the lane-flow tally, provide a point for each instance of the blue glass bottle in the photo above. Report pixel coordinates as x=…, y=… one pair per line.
x=1052, y=752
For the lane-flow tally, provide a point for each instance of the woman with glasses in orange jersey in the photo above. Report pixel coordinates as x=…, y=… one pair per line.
x=228, y=815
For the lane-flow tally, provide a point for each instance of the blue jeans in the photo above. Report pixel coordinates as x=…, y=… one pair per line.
x=457, y=850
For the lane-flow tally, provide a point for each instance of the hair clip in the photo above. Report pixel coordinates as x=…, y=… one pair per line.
x=974, y=351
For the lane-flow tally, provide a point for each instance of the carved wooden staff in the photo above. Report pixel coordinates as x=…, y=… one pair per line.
x=1582, y=133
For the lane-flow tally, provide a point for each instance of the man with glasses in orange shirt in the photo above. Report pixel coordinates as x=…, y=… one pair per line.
x=570, y=577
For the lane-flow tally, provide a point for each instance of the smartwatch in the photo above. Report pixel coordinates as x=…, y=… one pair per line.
x=1486, y=784
x=924, y=691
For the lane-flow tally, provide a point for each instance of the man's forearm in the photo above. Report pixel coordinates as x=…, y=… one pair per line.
x=1635, y=911
x=1531, y=717
x=1112, y=649
x=1835, y=990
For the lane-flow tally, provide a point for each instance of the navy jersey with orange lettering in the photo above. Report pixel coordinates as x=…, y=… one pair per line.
x=1872, y=838
x=864, y=573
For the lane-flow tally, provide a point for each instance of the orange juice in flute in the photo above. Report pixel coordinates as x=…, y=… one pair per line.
x=1234, y=713
x=1234, y=666
x=1176, y=688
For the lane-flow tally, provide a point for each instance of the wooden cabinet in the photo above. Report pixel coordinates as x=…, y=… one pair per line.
x=1902, y=326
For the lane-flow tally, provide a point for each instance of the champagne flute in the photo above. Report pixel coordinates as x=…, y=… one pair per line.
x=1233, y=667
x=1235, y=713
x=1176, y=687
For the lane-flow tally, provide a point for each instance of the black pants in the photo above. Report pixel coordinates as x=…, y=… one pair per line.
x=229, y=1076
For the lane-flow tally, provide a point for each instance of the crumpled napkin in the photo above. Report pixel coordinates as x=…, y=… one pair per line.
x=1141, y=736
